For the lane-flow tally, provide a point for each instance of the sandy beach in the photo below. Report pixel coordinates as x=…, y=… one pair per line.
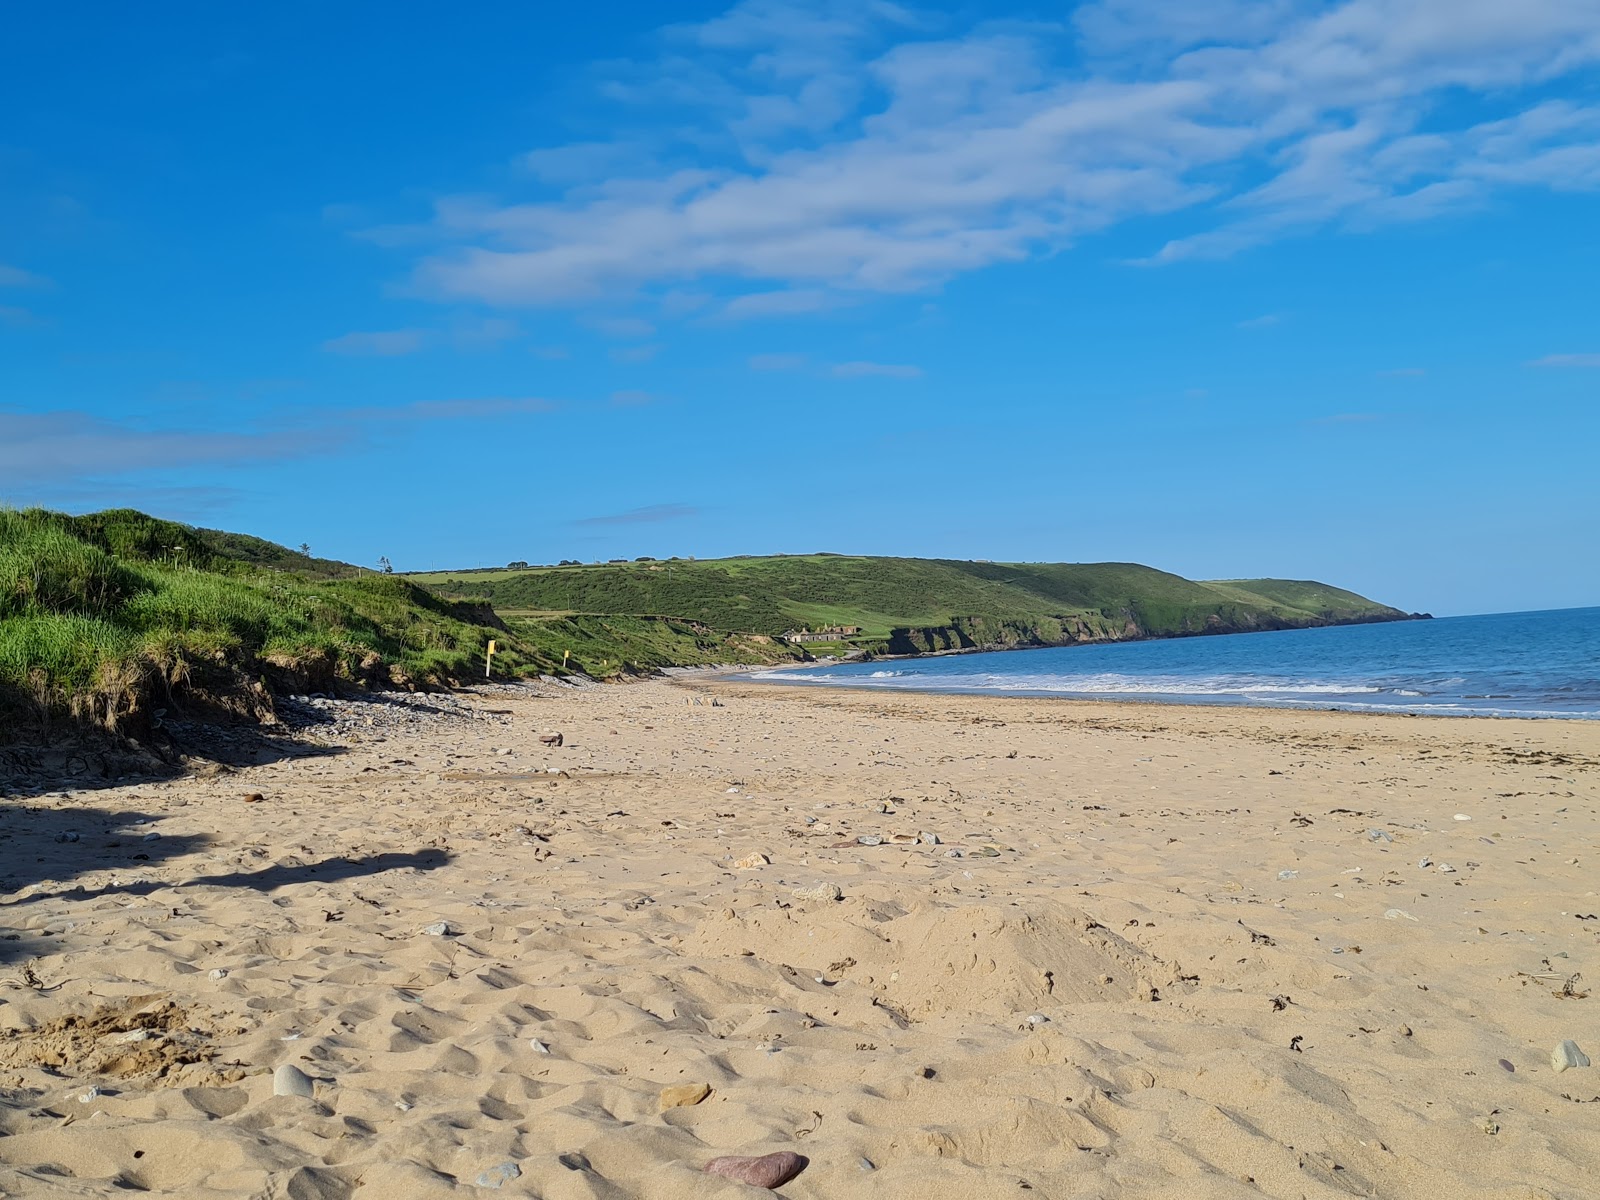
x=944, y=947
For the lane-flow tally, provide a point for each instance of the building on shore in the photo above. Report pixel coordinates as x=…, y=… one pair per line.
x=832, y=633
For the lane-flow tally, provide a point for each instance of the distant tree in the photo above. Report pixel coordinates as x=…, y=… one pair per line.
x=305, y=549
x=644, y=558
x=385, y=565
x=516, y=566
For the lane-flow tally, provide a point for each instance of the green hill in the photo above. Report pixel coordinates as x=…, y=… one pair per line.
x=108, y=617
x=908, y=605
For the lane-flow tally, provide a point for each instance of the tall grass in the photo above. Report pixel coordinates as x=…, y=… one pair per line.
x=86, y=630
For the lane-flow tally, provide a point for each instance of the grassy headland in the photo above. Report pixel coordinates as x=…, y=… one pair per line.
x=908, y=605
x=110, y=617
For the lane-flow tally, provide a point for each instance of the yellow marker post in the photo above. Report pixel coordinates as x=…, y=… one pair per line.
x=489, y=657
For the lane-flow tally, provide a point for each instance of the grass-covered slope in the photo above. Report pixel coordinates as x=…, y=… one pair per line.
x=907, y=604
x=108, y=616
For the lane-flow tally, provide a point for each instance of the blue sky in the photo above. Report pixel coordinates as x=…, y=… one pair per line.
x=1233, y=288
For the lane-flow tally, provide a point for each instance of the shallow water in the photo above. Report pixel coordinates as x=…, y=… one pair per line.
x=1535, y=664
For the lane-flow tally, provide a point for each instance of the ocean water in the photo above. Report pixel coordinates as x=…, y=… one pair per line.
x=1534, y=664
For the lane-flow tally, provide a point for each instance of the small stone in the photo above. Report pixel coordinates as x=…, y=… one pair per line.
x=1287, y=874
x=1567, y=1055
x=538, y=1046
x=151, y=837
x=764, y=1171
x=1462, y=817
x=1397, y=914
x=752, y=862
x=928, y=838
x=822, y=891
x=499, y=1176
x=573, y=1161
x=92, y=1094
x=217, y=973
x=1424, y=863
x=866, y=1164
x=952, y=854
x=1037, y=1019
x=67, y=837
x=1379, y=835
x=439, y=929
x=866, y=839
x=404, y=1105
x=684, y=1095
x=290, y=1080
x=254, y=798
x=1505, y=1065
x=1405, y=1031
x=1446, y=869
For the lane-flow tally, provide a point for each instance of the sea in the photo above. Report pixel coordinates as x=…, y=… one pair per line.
x=1529, y=664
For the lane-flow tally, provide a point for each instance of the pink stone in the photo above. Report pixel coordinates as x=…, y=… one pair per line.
x=763, y=1171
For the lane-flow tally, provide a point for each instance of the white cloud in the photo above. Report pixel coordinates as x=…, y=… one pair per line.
x=795, y=156
x=776, y=362
x=386, y=343
x=1567, y=360
x=16, y=277
x=863, y=370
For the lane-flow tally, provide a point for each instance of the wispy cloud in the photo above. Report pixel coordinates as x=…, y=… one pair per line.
x=17, y=317
x=632, y=398
x=839, y=150
x=16, y=277
x=466, y=409
x=635, y=354
x=776, y=362
x=63, y=447
x=1567, y=360
x=862, y=370
x=648, y=515
x=385, y=343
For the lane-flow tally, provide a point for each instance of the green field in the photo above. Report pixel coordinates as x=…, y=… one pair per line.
x=896, y=600
x=110, y=617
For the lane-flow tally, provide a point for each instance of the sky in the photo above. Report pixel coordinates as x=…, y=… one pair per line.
x=1233, y=288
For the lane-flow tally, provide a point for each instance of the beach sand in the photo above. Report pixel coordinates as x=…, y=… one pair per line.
x=1155, y=952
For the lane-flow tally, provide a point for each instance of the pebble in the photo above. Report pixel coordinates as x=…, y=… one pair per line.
x=67, y=837
x=764, y=1171
x=1568, y=1055
x=822, y=891
x=752, y=862
x=1379, y=835
x=499, y=1176
x=1505, y=1065
x=151, y=837
x=1287, y=874
x=869, y=839
x=928, y=838
x=952, y=854
x=1397, y=914
x=218, y=973
x=538, y=1046
x=1038, y=1019
x=439, y=929
x=1446, y=869
x=866, y=1164
x=573, y=1161
x=1462, y=817
x=290, y=1080
x=684, y=1095
x=1424, y=863
x=92, y=1094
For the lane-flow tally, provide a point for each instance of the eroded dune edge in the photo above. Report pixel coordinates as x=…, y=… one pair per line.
x=1096, y=951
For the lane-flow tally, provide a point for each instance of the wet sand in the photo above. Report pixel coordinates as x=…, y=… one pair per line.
x=1153, y=952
